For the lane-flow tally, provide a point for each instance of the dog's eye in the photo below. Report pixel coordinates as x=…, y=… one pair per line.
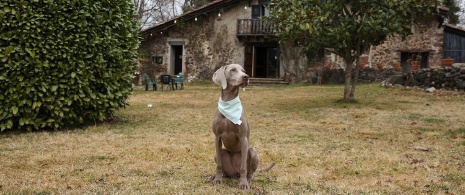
x=234, y=70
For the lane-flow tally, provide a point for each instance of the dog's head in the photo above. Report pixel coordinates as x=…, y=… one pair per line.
x=233, y=75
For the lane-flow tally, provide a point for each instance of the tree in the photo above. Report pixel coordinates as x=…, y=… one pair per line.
x=345, y=27
x=151, y=12
x=454, y=11
x=192, y=4
x=65, y=63
x=462, y=13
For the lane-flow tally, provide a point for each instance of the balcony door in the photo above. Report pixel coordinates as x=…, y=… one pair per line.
x=261, y=10
x=261, y=61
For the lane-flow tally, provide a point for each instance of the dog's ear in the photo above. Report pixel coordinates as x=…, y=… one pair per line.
x=220, y=78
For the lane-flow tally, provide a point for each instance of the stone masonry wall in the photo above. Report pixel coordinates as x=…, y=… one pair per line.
x=367, y=75
x=443, y=78
x=451, y=78
x=427, y=36
x=209, y=42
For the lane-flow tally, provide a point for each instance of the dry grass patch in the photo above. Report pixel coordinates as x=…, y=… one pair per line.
x=321, y=145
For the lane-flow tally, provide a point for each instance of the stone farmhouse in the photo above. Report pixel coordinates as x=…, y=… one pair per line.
x=233, y=31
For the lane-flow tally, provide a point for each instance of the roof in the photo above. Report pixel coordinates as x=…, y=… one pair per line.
x=214, y=6
x=455, y=29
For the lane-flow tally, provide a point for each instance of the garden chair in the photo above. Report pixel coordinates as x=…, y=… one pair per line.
x=149, y=81
x=179, y=80
x=166, y=80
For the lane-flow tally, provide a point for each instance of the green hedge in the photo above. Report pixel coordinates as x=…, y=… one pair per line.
x=64, y=62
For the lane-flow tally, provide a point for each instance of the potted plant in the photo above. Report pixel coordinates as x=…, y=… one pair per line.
x=414, y=62
x=447, y=62
x=415, y=65
x=380, y=65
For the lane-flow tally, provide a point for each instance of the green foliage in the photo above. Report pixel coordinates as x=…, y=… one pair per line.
x=64, y=62
x=347, y=27
x=454, y=11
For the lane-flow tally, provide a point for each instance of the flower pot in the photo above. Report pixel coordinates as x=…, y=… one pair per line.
x=379, y=66
x=327, y=65
x=362, y=66
x=415, y=67
x=396, y=67
x=447, y=62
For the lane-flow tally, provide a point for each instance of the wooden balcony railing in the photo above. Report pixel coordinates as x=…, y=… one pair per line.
x=254, y=27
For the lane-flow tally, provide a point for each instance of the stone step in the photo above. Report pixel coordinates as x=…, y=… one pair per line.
x=267, y=81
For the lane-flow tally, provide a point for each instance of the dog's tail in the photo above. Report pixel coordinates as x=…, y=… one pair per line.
x=266, y=168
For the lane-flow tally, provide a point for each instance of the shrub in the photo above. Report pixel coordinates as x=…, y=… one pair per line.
x=64, y=62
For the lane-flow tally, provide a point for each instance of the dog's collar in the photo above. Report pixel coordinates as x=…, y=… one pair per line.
x=232, y=110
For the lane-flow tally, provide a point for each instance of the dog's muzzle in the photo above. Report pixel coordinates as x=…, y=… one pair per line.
x=245, y=80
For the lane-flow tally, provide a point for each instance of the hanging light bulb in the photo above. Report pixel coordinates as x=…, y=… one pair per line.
x=161, y=32
x=175, y=21
x=196, y=19
x=219, y=14
x=245, y=7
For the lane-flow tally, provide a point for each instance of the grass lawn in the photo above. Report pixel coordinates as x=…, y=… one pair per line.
x=321, y=145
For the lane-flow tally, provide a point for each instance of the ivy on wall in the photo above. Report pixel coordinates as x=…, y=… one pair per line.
x=64, y=62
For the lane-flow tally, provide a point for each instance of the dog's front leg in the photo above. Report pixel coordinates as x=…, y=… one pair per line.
x=243, y=183
x=219, y=165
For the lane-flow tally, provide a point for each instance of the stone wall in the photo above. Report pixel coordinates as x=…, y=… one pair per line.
x=367, y=75
x=451, y=78
x=209, y=43
x=446, y=78
x=428, y=36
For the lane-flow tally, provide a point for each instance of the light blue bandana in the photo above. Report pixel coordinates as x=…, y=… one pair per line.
x=232, y=110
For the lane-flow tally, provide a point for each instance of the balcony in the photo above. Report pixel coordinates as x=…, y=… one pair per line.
x=255, y=27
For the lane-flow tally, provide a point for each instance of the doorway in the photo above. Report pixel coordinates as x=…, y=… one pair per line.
x=176, y=66
x=261, y=61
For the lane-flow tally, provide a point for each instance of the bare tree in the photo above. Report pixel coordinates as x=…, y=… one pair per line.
x=461, y=13
x=192, y=4
x=151, y=12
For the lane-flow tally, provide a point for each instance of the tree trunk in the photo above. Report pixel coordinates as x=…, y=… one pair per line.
x=355, y=78
x=348, y=78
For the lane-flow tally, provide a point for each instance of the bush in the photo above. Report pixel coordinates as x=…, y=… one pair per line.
x=64, y=62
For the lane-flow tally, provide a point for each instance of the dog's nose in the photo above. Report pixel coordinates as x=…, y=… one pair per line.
x=245, y=77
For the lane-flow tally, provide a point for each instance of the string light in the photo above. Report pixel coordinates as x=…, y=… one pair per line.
x=219, y=14
x=196, y=19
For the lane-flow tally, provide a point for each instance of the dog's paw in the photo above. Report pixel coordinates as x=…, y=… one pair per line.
x=244, y=184
x=217, y=180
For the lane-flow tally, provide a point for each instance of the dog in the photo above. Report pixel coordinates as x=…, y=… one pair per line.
x=231, y=129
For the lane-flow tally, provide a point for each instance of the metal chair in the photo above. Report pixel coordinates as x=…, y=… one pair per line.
x=166, y=80
x=179, y=80
x=149, y=81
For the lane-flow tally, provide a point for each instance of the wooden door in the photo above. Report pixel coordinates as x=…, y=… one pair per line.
x=248, y=60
